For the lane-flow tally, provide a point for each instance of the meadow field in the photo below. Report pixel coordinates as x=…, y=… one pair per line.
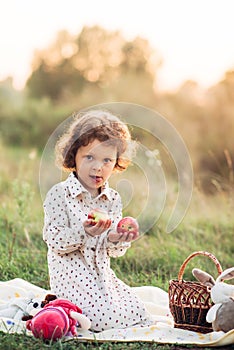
x=104, y=67
x=208, y=225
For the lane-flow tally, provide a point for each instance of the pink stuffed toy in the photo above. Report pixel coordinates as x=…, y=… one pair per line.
x=57, y=319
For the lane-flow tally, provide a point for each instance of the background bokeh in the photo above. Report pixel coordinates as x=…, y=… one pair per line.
x=93, y=62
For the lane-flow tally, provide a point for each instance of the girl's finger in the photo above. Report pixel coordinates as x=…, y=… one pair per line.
x=107, y=224
x=130, y=237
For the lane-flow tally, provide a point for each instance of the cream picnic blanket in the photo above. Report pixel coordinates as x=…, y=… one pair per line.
x=156, y=301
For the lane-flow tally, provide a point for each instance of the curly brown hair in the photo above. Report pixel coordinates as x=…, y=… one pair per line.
x=88, y=126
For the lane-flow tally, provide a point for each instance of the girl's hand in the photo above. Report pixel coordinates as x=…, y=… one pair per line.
x=98, y=228
x=116, y=237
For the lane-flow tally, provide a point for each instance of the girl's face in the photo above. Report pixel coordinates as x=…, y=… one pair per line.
x=94, y=164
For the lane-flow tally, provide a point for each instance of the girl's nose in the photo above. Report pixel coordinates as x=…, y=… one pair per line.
x=97, y=165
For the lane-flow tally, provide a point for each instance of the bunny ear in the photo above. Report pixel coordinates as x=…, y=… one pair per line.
x=226, y=275
x=205, y=278
x=211, y=314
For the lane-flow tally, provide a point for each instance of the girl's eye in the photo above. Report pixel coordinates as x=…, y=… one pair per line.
x=89, y=157
x=107, y=160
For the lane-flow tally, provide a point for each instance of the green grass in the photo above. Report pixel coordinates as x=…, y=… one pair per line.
x=19, y=342
x=208, y=225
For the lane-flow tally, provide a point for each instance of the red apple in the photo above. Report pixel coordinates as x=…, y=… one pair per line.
x=97, y=214
x=128, y=224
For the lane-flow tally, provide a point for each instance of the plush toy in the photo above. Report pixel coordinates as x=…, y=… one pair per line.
x=221, y=314
x=57, y=319
x=41, y=304
x=17, y=308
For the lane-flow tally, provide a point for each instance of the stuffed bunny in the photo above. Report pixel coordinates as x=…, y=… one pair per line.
x=221, y=315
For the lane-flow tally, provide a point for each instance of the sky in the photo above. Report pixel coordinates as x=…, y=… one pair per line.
x=195, y=38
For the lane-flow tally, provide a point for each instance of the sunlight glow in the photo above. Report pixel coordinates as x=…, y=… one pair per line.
x=194, y=38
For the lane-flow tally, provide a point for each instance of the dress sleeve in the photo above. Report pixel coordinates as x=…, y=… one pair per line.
x=57, y=233
x=115, y=250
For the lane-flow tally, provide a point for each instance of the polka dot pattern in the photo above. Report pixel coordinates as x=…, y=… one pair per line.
x=79, y=265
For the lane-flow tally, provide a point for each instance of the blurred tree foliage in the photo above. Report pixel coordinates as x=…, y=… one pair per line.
x=205, y=119
x=99, y=66
x=95, y=60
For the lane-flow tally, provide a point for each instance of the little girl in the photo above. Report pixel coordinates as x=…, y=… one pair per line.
x=79, y=252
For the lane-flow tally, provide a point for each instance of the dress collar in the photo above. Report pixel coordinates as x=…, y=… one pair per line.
x=76, y=188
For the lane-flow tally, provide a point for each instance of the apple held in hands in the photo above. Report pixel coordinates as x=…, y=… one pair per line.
x=128, y=224
x=97, y=214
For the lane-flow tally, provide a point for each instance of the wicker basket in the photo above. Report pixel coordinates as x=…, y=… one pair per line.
x=189, y=302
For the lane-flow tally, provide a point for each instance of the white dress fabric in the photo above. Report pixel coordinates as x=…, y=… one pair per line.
x=79, y=265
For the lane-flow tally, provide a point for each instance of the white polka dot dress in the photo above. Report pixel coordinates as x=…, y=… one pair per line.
x=79, y=265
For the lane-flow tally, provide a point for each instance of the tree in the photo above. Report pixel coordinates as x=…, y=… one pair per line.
x=94, y=58
x=217, y=149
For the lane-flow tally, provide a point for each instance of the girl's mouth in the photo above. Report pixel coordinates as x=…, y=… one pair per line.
x=96, y=179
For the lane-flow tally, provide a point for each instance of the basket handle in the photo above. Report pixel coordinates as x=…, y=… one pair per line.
x=209, y=255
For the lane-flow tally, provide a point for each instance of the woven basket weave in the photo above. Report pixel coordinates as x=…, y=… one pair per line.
x=189, y=302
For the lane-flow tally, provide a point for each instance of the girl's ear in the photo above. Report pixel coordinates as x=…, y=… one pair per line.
x=205, y=278
x=226, y=275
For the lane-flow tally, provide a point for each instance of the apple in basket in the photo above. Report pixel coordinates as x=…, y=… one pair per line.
x=128, y=224
x=97, y=214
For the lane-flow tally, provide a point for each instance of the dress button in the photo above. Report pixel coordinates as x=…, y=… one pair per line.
x=93, y=249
